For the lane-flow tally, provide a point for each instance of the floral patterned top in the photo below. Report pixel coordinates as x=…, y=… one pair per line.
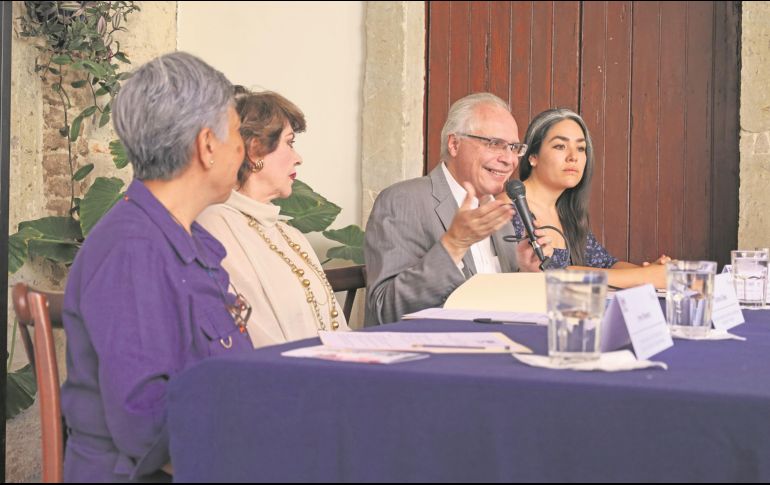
x=596, y=255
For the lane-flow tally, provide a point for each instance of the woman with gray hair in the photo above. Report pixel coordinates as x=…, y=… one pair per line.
x=147, y=296
x=556, y=170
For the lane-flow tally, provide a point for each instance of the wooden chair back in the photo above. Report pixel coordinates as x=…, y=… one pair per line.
x=350, y=279
x=43, y=311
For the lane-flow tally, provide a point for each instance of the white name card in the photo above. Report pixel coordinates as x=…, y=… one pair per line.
x=726, y=312
x=634, y=316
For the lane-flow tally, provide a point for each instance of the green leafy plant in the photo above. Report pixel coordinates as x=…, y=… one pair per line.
x=21, y=387
x=311, y=212
x=352, y=239
x=77, y=51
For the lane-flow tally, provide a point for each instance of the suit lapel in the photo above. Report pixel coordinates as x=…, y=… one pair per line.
x=506, y=251
x=446, y=208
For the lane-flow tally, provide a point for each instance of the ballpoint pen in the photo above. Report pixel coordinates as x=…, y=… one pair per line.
x=480, y=347
x=491, y=320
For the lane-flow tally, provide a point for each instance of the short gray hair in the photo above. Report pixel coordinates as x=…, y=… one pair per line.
x=160, y=110
x=461, y=115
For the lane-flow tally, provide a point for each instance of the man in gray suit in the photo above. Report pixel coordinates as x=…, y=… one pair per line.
x=426, y=236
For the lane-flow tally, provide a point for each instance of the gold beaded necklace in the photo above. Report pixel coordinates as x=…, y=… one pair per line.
x=300, y=274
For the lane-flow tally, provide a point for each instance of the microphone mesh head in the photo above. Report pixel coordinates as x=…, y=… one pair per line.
x=515, y=188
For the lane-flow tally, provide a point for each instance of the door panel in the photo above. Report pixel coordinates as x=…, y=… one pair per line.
x=656, y=82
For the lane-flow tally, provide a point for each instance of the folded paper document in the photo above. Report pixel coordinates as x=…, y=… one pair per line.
x=481, y=316
x=358, y=356
x=501, y=292
x=431, y=342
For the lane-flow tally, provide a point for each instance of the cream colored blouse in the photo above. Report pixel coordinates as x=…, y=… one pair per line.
x=279, y=299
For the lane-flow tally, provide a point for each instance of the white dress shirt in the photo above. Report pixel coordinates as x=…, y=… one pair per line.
x=483, y=254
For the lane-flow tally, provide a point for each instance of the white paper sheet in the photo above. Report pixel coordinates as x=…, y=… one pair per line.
x=357, y=356
x=432, y=342
x=607, y=362
x=470, y=315
x=713, y=334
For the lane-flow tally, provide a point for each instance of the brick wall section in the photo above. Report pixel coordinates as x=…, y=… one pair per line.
x=56, y=168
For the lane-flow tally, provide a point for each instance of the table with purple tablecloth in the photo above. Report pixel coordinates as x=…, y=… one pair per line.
x=264, y=417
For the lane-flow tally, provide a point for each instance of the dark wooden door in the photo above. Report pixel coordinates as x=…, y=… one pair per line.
x=656, y=82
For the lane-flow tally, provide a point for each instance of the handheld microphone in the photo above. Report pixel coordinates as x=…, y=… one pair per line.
x=517, y=192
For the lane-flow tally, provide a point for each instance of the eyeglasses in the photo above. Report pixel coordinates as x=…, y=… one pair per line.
x=240, y=310
x=238, y=307
x=499, y=146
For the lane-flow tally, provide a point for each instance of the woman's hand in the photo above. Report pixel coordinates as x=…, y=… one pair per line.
x=662, y=260
x=655, y=274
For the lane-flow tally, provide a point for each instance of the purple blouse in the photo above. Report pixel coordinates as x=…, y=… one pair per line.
x=596, y=255
x=143, y=302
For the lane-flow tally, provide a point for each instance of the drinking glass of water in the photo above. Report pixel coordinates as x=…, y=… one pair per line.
x=576, y=301
x=690, y=296
x=749, y=269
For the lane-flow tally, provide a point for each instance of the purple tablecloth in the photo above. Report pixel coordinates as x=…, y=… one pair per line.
x=263, y=417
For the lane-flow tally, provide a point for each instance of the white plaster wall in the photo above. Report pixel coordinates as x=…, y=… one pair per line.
x=312, y=53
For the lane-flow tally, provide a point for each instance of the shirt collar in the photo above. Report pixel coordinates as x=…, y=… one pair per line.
x=458, y=192
x=209, y=255
x=266, y=214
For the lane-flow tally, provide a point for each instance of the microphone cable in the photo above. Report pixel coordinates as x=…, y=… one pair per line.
x=545, y=264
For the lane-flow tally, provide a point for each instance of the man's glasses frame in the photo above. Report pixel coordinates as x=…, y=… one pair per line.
x=498, y=145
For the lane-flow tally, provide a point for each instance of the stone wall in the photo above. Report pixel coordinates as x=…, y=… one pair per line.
x=394, y=88
x=754, y=223
x=40, y=174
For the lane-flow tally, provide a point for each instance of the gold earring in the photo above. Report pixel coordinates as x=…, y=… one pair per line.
x=257, y=166
x=211, y=162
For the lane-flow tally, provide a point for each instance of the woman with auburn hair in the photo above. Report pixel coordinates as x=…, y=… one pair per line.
x=271, y=262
